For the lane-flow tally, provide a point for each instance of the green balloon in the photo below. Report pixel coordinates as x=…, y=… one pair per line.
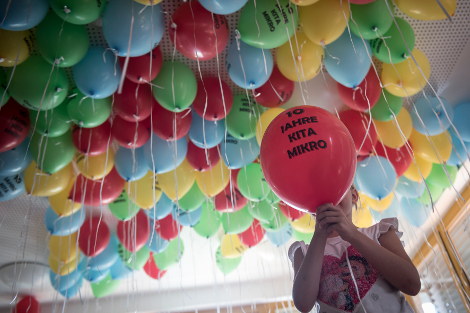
x=438, y=176
x=381, y=110
x=53, y=123
x=88, y=112
x=81, y=11
x=209, y=223
x=56, y=39
x=276, y=223
x=272, y=23
x=369, y=17
x=263, y=211
x=398, y=51
x=272, y=198
x=298, y=236
x=134, y=260
x=3, y=87
x=123, y=208
x=226, y=265
x=171, y=256
x=104, y=287
x=177, y=80
x=59, y=151
x=192, y=200
x=242, y=118
x=237, y=222
x=251, y=182
x=435, y=191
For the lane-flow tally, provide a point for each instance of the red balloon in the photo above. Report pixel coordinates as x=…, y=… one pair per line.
x=138, y=68
x=94, y=236
x=308, y=157
x=253, y=235
x=28, y=304
x=289, y=212
x=277, y=86
x=230, y=199
x=199, y=34
x=197, y=157
x=167, y=227
x=134, y=104
x=209, y=98
x=151, y=269
x=14, y=121
x=163, y=122
x=134, y=233
x=92, y=141
x=368, y=89
x=125, y=132
x=357, y=123
x=401, y=158
x=97, y=192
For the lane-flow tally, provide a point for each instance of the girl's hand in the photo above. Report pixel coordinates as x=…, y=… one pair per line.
x=332, y=219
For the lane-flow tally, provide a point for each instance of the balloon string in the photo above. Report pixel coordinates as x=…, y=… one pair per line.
x=4, y=18
x=326, y=50
x=444, y=10
x=14, y=68
x=322, y=62
x=126, y=62
x=352, y=275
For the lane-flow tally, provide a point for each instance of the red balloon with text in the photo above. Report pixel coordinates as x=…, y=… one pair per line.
x=131, y=134
x=276, y=91
x=197, y=157
x=210, y=103
x=365, y=95
x=14, y=120
x=143, y=69
x=92, y=141
x=134, y=233
x=253, y=235
x=289, y=212
x=401, y=158
x=165, y=123
x=94, y=236
x=168, y=228
x=357, y=124
x=135, y=102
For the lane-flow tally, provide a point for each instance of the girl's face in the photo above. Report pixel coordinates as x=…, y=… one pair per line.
x=348, y=201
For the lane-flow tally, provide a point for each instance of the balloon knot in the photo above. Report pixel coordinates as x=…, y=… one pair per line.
x=1, y=60
x=66, y=9
x=173, y=25
x=374, y=28
x=80, y=123
x=57, y=61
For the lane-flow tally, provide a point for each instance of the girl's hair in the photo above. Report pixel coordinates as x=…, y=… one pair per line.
x=353, y=187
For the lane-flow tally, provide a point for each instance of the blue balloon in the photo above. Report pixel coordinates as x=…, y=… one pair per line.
x=16, y=160
x=280, y=237
x=376, y=177
x=95, y=276
x=213, y=132
x=22, y=14
x=11, y=186
x=391, y=211
x=161, y=209
x=96, y=78
x=64, y=282
x=163, y=153
x=107, y=258
x=63, y=226
x=223, y=6
x=237, y=153
x=73, y=290
x=427, y=110
x=156, y=244
x=253, y=73
x=129, y=169
x=408, y=188
x=117, y=27
x=461, y=114
x=414, y=211
x=353, y=65
x=459, y=150
x=119, y=270
x=186, y=218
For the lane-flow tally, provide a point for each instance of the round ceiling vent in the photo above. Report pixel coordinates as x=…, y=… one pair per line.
x=24, y=276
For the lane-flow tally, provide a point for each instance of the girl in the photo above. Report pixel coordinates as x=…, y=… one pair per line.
x=372, y=281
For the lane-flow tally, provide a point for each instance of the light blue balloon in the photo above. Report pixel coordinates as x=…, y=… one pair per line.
x=408, y=188
x=461, y=114
x=427, y=110
x=22, y=14
x=458, y=150
x=414, y=211
x=186, y=218
x=131, y=166
x=253, y=73
x=72, y=291
x=376, y=177
x=164, y=154
x=280, y=237
x=63, y=226
x=353, y=65
x=16, y=160
x=223, y=6
x=391, y=211
x=96, y=78
x=11, y=186
x=117, y=26
x=237, y=153
x=95, y=276
x=119, y=270
x=161, y=209
x=213, y=131
x=156, y=244
x=107, y=258
x=64, y=282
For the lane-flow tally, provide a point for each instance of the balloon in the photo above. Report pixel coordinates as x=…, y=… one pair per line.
x=192, y=200
x=441, y=177
x=357, y=123
x=105, y=287
x=122, y=208
x=237, y=222
x=401, y=158
x=303, y=2
x=289, y=212
x=263, y=211
x=11, y=186
x=272, y=198
x=53, y=123
x=151, y=269
x=177, y=183
x=164, y=121
x=375, y=177
x=460, y=122
x=63, y=248
x=390, y=212
x=62, y=283
x=28, y=304
x=95, y=276
x=324, y=21
x=405, y=79
x=41, y=184
x=130, y=134
x=276, y=223
x=168, y=228
x=285, y=172
x=65, y=225
x=171, y=256
x=119, y=270
x=131, y=164
x=248, y=67
x=253, y=235
x=267, y=24
x=179, y=86
x=156, y=244
x=147, y=25
x=52, y=153
x=106, y=258
x=94, y=236
x=264, y=121
x=214, y=99
x=459, y=153
x=299, y=60
x=226, y=265
x=414, y=212
x=161, y=209
x=81, y=11
x=135, y=102
x=22, y=14
x=16, y=160
x=187, y=218
x=252, y=183
x=206, y=134
x=15, y=125
x=87, y=112
x=138, y=67
x=375, y=203
x=140, y=191
x=62, y=43
x=298, y=236
x=72, y=291
x=362, y=218
x=133, y=234
x=230, y=199
x=3, y=89
x=435, y=191
x=419, y=171
x=435, y=149
x=239, y=153
x=391, y=133
x=223, y=6
x=96, y=75
x=387, y=101
x=280, y=237
x=95, y=167
x=163, y=156
x=214, y=181
x=277, y=91
x=408, y=188
x=371, y=19
x=365, y=95
x=15, y=46
x=425, y=111
x=134, y=260
x=305, y=224
x=62, y=268
x=61, y=204
x=427, y=10
x=202, y=159
x=209, y=223
x=231, y=247
x=245, y=110
x=92, y=141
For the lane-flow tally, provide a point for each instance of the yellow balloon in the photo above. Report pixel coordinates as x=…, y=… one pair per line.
x=437, y=152
x=63, y=268
x=308, y=58
x=405, y=79
x=231, y=246
x=61, y=203
x=63, y=248
x=214, y=181
x=95, y=167
x=10, y=42
x=265, y=119
x=185, y=176
x=140, y=191
x=303, y=2
x=305, y=224
x=389, y=132
x=148, y=2
x=362, y=217
x=324, y=21
x=412, y=173
x=45, y=184
x=427, y=10
x=376, y=204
